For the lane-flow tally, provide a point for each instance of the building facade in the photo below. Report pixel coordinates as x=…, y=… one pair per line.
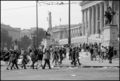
x=94, y=20
x=13, y=32
x=26, y=32
x=60, y=33
x=93, y=23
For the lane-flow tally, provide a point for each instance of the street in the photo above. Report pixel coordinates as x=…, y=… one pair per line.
x=64, y=73
x=104, y=71
x=78, y=40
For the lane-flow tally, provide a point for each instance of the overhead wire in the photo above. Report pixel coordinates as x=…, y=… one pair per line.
x=42, y=2
x=18, y=8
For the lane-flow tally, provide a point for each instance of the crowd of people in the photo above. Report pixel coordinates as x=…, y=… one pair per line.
x=55, y=55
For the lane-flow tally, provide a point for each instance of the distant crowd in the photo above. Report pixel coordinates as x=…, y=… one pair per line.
x=21, y=58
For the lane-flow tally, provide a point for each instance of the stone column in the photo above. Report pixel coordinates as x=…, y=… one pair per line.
x=77, y=31
x=92, y=22
x=83, y=25
x=96, y=26
x=63, y=35
x=101, y=17
x=71, y=33
x=105, y=8
x=85, y=21
x=88, y=19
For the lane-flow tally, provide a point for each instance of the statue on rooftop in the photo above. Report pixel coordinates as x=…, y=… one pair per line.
x=109, y=14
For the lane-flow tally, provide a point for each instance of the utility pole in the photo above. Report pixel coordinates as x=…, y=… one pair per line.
x=69, y=30
x=36, y=23
x=69, y=20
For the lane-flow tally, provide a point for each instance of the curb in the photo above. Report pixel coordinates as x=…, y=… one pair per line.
x=101, y=66
x=81, y=66
x=85, y=66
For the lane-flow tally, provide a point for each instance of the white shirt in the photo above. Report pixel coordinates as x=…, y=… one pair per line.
x=15, y=47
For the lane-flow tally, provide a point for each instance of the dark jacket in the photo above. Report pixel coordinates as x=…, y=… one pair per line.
x=110, y=52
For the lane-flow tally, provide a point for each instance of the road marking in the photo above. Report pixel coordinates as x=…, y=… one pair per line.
x=73, y=75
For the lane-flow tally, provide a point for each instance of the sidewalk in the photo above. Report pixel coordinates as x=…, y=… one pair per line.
x=2, y=63
x=85, y=60
x=88, y=63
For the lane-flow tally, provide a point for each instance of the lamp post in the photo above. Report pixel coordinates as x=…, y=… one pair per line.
x=69, y=31
x=69, y=8
x=36, y=23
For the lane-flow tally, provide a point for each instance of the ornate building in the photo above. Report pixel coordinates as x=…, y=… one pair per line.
x=60, y=34
x=13, y=32
x=94, y=20
x=93, y=23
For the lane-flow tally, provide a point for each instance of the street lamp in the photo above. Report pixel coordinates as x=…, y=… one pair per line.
x=69, y=20
x=69, y=31
x=36, y=23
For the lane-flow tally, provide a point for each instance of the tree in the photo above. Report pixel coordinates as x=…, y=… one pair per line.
x=6, y=40
x=25, y=42
x=41, y=35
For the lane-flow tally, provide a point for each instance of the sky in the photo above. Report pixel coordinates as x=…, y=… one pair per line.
x=22, y=14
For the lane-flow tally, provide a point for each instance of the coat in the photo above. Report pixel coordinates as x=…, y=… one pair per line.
x=47, y=55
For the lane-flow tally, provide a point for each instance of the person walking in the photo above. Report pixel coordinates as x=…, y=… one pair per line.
x=55, y=57
x=110, y=54
x=10, y=59
x=40, y=57
x=77, y=56
x=91, y=52
x=60, y=55
x=47, y=59
x=24, y=61
x=74, y=55
x=14, y=60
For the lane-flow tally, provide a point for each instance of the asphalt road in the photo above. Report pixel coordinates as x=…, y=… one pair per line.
x=64, y=73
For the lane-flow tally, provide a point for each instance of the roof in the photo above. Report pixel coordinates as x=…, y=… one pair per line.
x=64, y=27
x=9, y=28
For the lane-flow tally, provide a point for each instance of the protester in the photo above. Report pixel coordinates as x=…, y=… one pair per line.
x=25, y=60
x=110, y=54
x=40, y=57
x=47, y=59
x=58, y=54
x=14, y=60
